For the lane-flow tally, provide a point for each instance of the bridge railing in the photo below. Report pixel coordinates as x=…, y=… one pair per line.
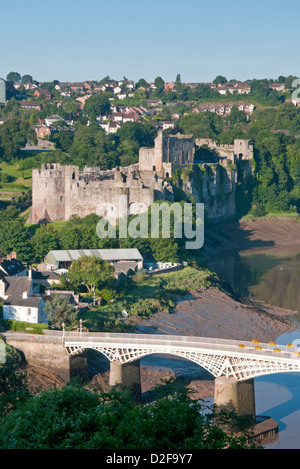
x=167, y=341
x=162, y=340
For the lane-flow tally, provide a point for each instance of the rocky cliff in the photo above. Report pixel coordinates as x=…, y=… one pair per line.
x=211, y=184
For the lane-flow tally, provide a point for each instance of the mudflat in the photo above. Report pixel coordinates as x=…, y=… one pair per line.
x=273, y=235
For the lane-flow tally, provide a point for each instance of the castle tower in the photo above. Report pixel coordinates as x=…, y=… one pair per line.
x=158, y=151
x=71, y=178
x=48, y=194
x=243, y=150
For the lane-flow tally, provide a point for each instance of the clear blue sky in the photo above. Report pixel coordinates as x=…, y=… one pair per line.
x=78, y=40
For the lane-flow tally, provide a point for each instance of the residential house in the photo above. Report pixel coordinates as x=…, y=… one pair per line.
x=54, y=118
x=224, y=109
x=26, y=309
x=280, y=87
x=43, y=94
x=239, y=88
x=69, y=296
x=169, y=86
x=168, y=125
x=113, y=127
x=11, y=266
x=222, y=89
x=30, y=105
x=22, y=300
x=42, y=131
x=117, y=90
x=130, y=117
x=154, y=102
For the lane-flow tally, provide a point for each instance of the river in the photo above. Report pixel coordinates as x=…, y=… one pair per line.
x=274, y=278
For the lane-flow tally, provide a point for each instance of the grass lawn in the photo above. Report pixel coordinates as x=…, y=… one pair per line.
x=18, y=181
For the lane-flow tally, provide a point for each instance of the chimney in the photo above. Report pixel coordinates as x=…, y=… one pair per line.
x=25, y=294
x=30, y=273
x=8, y=257
x=14, y=255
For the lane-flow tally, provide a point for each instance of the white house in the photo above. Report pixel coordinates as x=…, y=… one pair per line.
x=27, y=308
x=22, y=300
x=54, y=118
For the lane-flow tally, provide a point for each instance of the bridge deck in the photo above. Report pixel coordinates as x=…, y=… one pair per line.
x=170, y=342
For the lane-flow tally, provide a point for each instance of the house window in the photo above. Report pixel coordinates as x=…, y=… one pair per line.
x=154, y=168
x=28, y=311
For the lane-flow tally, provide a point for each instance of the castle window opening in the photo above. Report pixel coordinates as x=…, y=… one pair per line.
x=73, y=175
x=154, y=168
x=240, y=156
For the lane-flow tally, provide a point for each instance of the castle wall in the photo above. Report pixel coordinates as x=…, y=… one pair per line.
x=62, y=191
x=240, y=150
x=167, y=152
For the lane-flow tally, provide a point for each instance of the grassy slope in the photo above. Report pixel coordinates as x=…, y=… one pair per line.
x=152, y=294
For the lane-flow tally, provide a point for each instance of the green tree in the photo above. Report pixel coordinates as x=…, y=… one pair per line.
x=14, y=235
x=13, y=381
x=59, y=311
x=220, y=80
x=63, y=140
x=92, y=147
x=143, y=133
x=45, y=239
x=14, y=77
x=91, y=271
x=26, y=79
x=13, y=136
x=159, y=86
x=178, y=84
x=74, y=418
x=98, y=103
x=141, y=83
x=164, y=250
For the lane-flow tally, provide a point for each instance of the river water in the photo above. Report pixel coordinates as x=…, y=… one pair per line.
x=275, y=279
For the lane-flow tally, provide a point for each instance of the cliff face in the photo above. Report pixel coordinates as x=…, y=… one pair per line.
x=211, y=184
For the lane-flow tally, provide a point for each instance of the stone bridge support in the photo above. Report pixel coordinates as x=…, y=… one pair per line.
x=238, y=396
x=126, y=375
x=51, y=355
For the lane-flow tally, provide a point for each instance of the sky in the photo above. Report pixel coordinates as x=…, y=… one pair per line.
x=87, y=40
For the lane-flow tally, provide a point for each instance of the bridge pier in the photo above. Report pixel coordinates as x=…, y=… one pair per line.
x=238, y=396
x=126, y=375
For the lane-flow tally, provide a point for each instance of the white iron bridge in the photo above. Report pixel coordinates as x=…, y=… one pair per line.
x=230, y=358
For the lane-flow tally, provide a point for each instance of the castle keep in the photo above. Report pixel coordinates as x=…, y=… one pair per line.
x=58, y=192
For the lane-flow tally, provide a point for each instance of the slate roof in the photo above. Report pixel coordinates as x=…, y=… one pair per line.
x=104, y=254
x=30, y=302
x=12, y=267
x=17, y=286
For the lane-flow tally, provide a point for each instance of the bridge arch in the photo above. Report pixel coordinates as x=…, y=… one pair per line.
x=217, y=363
x=212, y=364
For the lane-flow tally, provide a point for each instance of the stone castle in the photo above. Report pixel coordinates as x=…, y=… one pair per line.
x=58, y=192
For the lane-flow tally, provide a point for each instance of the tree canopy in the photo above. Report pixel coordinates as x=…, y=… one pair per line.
x=74, y=418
